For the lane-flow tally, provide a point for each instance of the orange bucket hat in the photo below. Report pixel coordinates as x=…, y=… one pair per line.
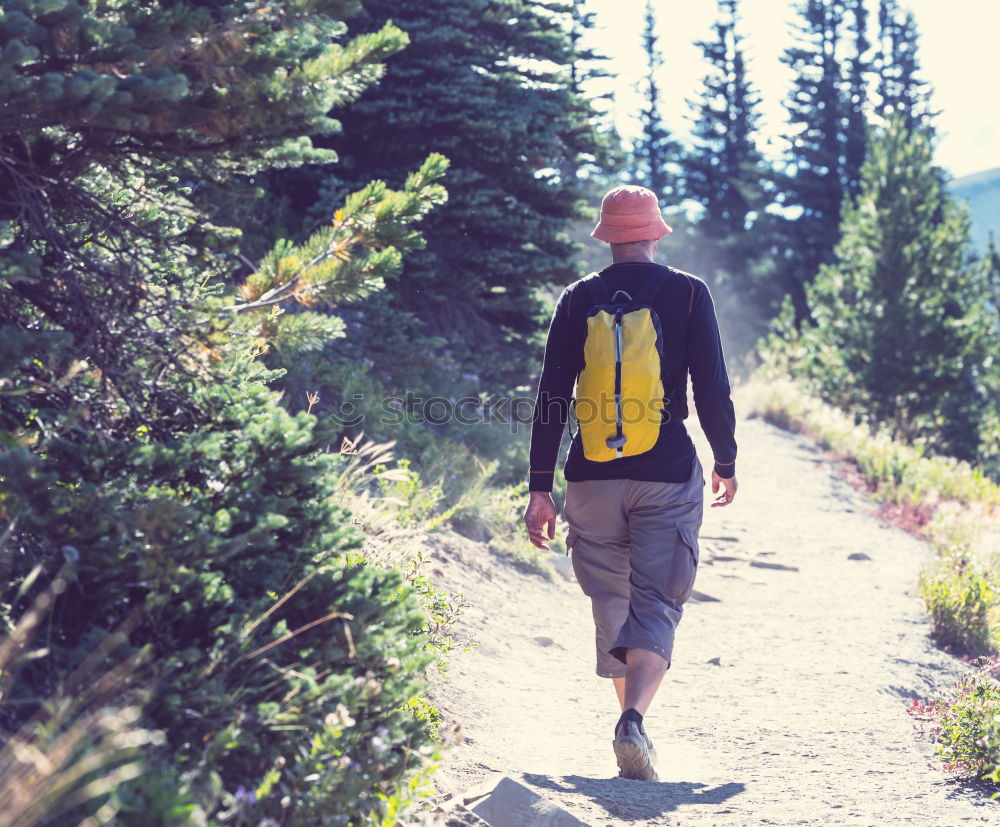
x=630, y=213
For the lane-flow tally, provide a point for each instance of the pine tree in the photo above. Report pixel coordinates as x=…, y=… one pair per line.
x=814, y=186
x=655, y=150
x=991, y=266
x=586, y=64
x=484, y=85
x=142, y=455
x=111, y=126
x=724, y=166
x=725, y=173
x=587, y=72
x=900, y=87
x=904, y=325
x=988, y=270
x=857, y=83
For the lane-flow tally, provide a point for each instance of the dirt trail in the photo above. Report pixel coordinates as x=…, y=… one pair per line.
x=792, y=670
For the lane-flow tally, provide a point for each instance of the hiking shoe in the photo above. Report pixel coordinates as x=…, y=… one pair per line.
x=635, y=753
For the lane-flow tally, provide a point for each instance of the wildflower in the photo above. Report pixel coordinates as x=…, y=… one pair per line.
x=245, y=797
x=340, y=718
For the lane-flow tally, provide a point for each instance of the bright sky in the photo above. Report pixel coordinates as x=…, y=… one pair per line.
x=959, y=54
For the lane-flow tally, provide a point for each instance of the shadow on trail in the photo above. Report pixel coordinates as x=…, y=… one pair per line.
x=637, y=800
x=973, y=790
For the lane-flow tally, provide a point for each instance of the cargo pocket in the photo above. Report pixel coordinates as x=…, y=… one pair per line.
x=683, y=565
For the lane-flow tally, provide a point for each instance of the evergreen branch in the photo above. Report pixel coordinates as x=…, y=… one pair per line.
x=363, y=245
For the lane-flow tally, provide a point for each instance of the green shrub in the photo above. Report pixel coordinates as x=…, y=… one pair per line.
x=279, y=673
x=964, y=605
x=416, y=502
x=492, y=514
x=969, y=734
x=503, y=517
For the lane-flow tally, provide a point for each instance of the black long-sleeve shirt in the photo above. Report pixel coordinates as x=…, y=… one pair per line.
x=691, y=343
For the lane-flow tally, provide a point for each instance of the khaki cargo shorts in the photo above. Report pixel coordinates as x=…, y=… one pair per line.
x=635, y=554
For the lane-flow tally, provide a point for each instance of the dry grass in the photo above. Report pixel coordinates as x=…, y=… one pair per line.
x=83, y=742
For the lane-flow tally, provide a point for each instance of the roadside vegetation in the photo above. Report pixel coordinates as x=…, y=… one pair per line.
x=214, y=607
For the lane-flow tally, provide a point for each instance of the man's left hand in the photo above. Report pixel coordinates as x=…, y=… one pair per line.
x=540, y=513
x=729, y=487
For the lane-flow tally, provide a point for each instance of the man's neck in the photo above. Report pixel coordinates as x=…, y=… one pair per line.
x=641, y=251
x=622, y=258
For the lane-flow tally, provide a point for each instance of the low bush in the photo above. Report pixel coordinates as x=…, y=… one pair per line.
x=442, y=433
x=82, y=742
x=279, y=668
x=968, y=727
x=963, y=603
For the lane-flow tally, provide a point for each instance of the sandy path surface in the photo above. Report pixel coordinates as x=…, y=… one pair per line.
x=793, y=667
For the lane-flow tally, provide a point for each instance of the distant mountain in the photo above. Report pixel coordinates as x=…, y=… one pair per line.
x=982, y=191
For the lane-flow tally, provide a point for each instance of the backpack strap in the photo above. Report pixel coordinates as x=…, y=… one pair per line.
x=673, y=388
x=599, y=293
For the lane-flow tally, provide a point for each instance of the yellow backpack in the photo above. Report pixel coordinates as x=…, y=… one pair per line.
x=619, y=403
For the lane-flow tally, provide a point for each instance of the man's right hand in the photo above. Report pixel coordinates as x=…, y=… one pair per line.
x=541, y=512
x=730, y=485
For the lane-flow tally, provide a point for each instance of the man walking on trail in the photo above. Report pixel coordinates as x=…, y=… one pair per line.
x=627, y=338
